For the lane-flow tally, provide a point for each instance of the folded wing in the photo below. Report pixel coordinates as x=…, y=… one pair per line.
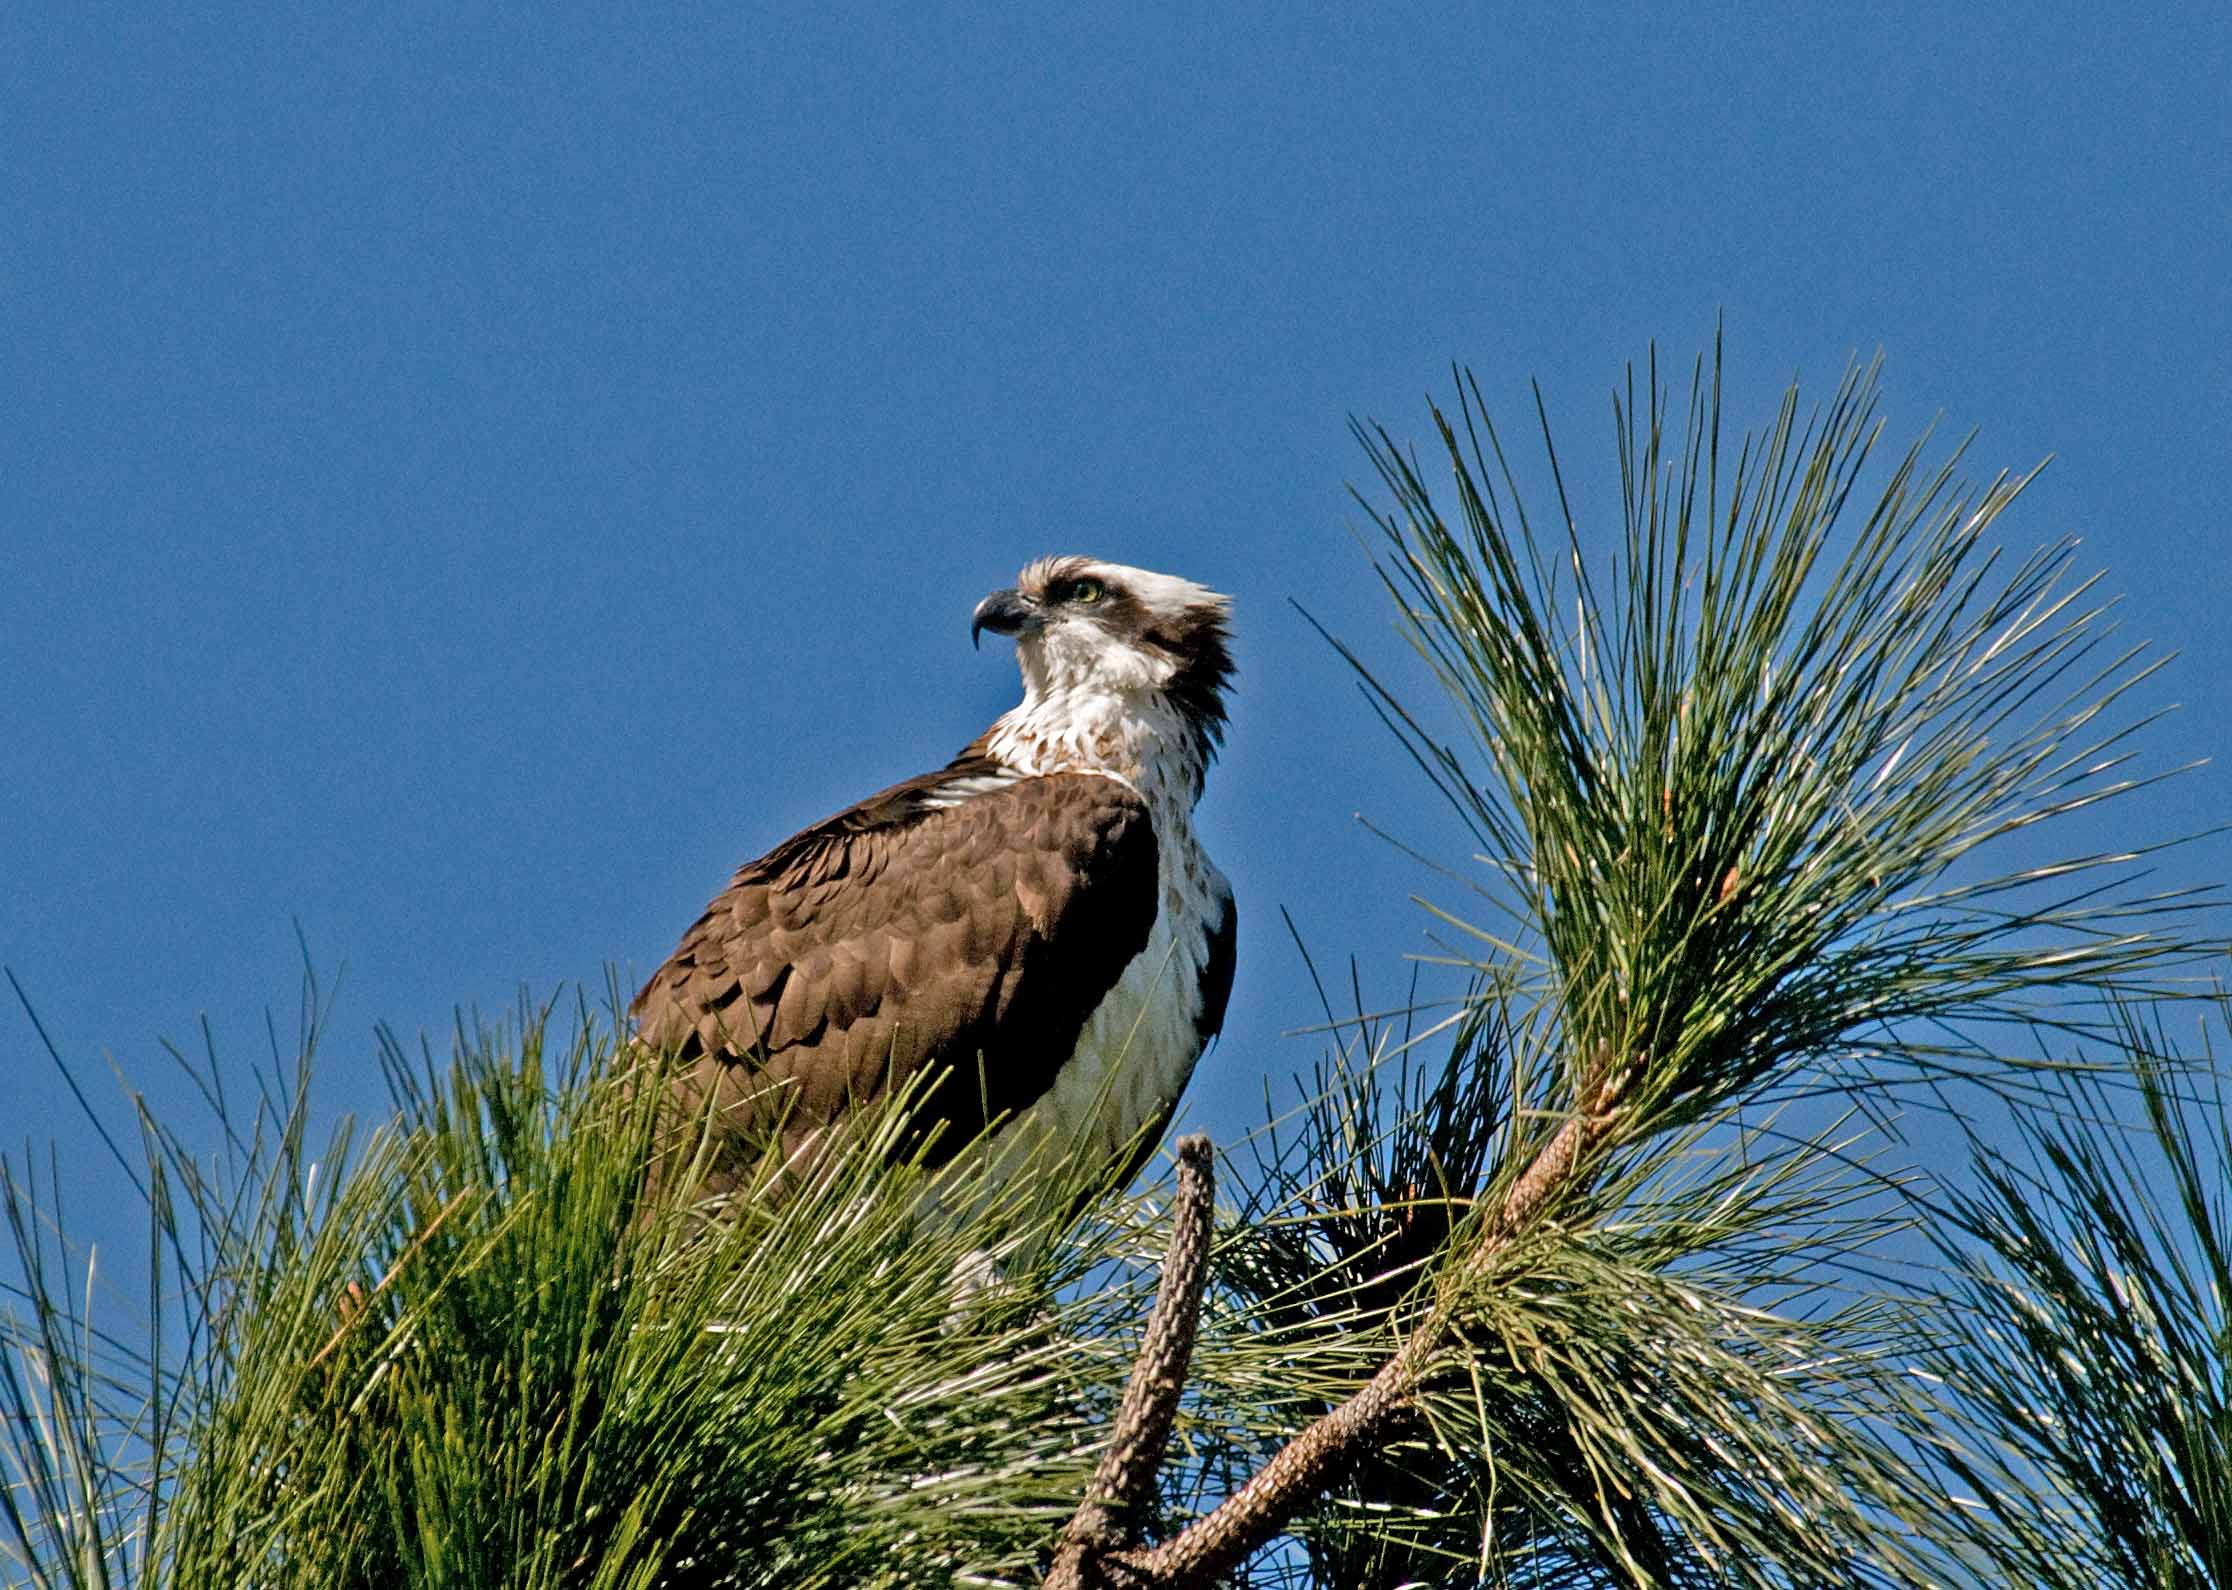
x=968, y=921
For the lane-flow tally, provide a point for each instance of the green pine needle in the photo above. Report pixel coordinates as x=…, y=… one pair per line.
x=1769, y=803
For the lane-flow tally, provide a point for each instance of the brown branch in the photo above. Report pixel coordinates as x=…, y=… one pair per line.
x=1214, y=1546
x=355, y=1300
x=1089, y=1553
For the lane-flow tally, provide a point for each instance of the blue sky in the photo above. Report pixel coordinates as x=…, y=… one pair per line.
x=467, y=481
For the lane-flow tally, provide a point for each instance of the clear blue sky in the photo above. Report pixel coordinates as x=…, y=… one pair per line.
x=466, y=483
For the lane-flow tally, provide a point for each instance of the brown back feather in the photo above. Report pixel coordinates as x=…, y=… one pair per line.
x=897, y=936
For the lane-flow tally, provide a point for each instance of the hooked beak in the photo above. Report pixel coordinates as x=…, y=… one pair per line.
x=1007, y=612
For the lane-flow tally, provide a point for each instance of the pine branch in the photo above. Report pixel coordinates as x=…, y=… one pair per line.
x=1575, y=1313
x=1301, y=1471
x=1090, y=1553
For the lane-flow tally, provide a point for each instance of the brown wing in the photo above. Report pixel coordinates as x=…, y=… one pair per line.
x=903, y=934
x=1217, y=970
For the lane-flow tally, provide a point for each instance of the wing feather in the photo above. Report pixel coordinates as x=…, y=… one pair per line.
x=905, y=933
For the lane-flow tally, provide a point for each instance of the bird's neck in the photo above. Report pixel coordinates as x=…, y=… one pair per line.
x=1140, y=737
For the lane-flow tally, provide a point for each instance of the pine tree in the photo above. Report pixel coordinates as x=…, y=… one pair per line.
x=1615, y=1271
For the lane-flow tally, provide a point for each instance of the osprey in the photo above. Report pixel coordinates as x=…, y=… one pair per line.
x=1034, y=924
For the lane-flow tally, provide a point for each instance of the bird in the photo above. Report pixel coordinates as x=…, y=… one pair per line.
x=1031, y=937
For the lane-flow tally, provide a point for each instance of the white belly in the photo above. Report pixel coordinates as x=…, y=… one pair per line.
x=1139, y=1046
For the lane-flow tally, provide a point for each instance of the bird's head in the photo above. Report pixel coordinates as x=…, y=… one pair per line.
x=1085, y=628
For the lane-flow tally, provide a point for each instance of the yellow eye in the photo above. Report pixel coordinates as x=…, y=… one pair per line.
x=1087, y=592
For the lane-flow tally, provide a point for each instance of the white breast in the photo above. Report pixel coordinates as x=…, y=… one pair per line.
x=1138, y=1048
